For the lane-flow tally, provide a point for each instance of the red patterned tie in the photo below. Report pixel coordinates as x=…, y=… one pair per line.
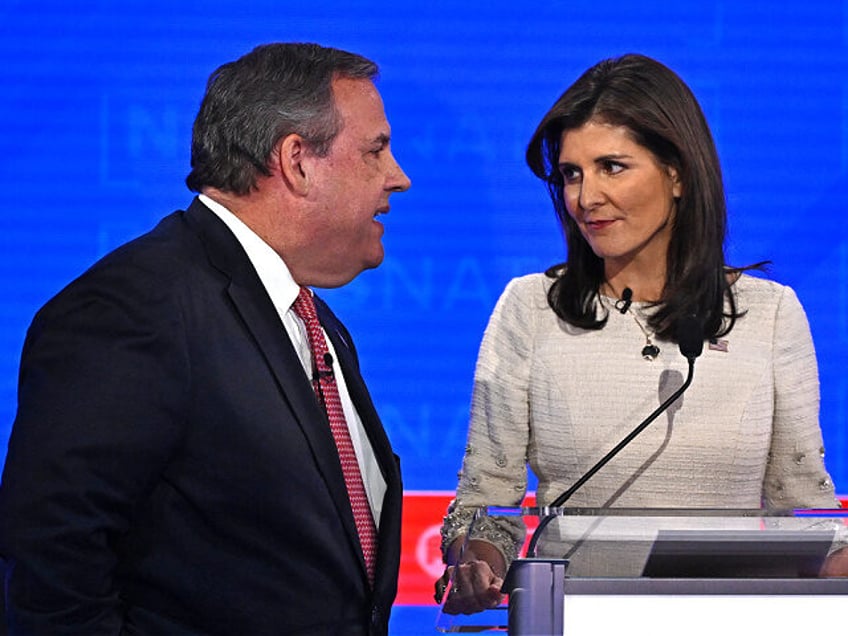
x=324, y=384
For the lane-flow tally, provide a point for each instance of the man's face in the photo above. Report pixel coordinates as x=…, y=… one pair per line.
x=351, y=188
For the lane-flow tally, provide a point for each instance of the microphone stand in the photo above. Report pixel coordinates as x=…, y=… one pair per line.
x=531, y=548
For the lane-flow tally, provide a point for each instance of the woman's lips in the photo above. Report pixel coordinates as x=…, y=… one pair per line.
x=599, y=225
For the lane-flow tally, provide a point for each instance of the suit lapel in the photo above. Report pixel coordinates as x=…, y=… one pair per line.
x=253, y=304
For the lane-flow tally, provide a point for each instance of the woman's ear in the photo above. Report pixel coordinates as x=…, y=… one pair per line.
x=676, y=183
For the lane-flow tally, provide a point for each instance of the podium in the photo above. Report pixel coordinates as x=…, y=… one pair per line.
x=665, y=571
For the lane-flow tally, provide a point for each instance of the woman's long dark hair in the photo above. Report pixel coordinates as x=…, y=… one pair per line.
x=662, y=115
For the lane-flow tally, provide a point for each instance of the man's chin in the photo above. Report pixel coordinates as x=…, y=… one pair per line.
x=339, y=280
x=375, y=263
x=374, y=260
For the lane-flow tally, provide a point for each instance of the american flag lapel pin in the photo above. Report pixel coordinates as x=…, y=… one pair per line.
x=717, y=344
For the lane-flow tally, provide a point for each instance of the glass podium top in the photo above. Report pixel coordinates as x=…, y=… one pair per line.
x=604, y=544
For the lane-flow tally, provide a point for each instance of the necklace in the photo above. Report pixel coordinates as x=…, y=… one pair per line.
x=650, y=351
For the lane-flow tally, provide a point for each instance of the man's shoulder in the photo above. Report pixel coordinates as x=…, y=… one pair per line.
x=157, y=248
x=140, y=270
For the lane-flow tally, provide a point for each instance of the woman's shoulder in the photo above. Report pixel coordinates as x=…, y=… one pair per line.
x=530, y=283
x=523, y=300
x=530, y=290
x=758, y=290
x=762, y=298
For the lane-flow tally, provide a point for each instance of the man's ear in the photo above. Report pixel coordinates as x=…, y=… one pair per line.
x=292, y=156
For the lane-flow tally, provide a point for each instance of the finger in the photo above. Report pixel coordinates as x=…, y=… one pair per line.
x=491, y=597
x=483, y=577
x=459, y=603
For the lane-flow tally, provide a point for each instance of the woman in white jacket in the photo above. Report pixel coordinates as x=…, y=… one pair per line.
x=573, y=358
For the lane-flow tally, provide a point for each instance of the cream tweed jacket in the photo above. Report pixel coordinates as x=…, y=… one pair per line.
x=556, y=398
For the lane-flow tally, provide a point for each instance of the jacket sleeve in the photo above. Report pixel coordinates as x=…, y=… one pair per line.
x=103, y=374
x=796, y=476
x=494, y=467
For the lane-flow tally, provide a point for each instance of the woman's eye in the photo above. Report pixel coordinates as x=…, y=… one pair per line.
x=612, y=167
x=569, y=175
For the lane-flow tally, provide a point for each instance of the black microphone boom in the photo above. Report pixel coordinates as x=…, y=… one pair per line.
x=690, y=339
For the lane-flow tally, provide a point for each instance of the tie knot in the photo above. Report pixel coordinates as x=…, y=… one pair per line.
x=304, y=306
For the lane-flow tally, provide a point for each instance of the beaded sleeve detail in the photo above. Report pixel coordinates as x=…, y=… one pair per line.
x=506, y=534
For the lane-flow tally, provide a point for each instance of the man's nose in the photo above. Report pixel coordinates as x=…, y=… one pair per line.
x=397, y=180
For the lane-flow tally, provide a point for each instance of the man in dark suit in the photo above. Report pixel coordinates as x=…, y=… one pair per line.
x=172, y=468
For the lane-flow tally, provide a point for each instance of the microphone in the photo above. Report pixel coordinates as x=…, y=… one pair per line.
x=690, y=340
x=623, y=304
x=690, y=337
x=317, y=373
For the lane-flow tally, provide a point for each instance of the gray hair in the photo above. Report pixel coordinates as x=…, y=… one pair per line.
x=257, y=100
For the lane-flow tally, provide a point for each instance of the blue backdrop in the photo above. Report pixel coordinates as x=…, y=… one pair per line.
x=98, y=100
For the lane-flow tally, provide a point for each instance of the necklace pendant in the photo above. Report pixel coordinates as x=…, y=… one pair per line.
x=650, y=352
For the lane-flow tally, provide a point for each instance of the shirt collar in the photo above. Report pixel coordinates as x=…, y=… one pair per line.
x=271, y=268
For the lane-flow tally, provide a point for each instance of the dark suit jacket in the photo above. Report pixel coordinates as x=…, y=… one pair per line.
x=170, y=470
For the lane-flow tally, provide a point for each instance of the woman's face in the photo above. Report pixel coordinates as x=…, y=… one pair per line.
x=621, y=197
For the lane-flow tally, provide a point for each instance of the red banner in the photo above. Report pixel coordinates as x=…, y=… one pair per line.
x=421, y=557
x=421, y=560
